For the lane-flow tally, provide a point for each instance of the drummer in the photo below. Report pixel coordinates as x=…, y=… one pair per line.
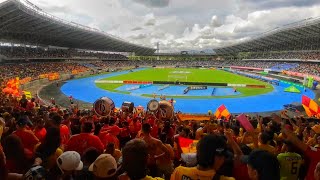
x=171, y=101
x=156, y=149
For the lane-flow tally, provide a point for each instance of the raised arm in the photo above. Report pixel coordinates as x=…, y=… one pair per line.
x=235, y=147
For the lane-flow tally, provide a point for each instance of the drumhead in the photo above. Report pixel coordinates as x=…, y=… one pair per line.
x=166, y=110
x=153, y=105
x=103, y=106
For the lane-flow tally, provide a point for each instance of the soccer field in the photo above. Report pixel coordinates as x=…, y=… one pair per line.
x=189, y=75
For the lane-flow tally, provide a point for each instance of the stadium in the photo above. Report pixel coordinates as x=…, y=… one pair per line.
x=77, y=99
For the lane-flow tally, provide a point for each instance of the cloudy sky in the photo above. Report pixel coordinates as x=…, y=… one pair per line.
x=182, y=24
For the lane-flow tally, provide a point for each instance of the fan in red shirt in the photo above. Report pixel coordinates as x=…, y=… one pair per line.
x=39, y=130
x=105, y=127
x=108, y=137
x=81, y=142
x=135, y=127
x=31, y=104
x=108, y=133
x=27, y=137
x=64, y=130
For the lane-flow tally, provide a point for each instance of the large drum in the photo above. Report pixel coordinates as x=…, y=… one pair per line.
x=127, y=107
x=166, y=110
x=153, y=105
x=103, y=106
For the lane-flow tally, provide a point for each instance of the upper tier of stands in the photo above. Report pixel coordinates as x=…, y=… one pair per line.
x=35, y=53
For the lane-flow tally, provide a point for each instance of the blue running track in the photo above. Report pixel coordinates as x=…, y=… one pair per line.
x=86, y=90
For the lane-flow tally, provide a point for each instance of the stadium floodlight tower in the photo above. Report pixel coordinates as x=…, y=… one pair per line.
x=158, y=50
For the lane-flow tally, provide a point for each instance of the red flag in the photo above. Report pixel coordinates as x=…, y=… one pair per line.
x=310, y=106
x=188, y=145
x=222, y=111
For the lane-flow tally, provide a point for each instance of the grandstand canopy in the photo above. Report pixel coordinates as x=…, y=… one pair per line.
x=24, y=23
x=303, y=35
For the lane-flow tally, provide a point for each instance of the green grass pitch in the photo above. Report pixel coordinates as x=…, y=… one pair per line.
x=195, y=75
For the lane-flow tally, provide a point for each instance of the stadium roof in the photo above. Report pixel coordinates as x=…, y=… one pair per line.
x=24, y=23
x=302, y=35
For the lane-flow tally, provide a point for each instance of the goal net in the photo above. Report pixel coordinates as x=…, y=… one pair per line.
x=177, y=78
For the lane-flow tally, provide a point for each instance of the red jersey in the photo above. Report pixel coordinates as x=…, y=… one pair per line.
x=135, y=127
x=40, y=133
x=105, y=128
x=64, y=133
x=107, y=138
x=28, y=139
x=30, y=106
x=154, y=131
x=313, y=156
x=81, y=142
x=151, y=121
x=240, y=171
x=125, y=132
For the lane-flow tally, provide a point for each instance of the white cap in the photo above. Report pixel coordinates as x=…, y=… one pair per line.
x=70, y=161
x=189, y=158
x=104, y=166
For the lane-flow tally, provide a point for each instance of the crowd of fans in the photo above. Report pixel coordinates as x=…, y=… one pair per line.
x=307, y=55
x=33, y=70
x=51, y=142
x=30, y=53
x=41, y=142
x=302, y=67
x=308, y=68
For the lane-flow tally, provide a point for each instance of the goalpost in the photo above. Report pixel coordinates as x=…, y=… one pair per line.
x=178, y=76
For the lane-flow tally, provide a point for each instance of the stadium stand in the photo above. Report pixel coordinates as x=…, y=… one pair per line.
x=41, y=140
x=25, y=22
x=302, y=36
x=16, y=53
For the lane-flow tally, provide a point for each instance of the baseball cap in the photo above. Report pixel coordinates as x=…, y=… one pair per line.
x=104, y=166
x=69, y=161
x=264, y=162
x=36, y=173
x=189, y=158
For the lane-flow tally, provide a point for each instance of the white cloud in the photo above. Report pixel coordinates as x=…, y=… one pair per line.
x=182, y=24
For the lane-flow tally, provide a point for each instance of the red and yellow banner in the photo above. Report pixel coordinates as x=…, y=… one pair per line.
x=188, y=145
x=310, y=106
x=190, y=117
x=53, y=76
x=222, y=111
x=43, y=76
